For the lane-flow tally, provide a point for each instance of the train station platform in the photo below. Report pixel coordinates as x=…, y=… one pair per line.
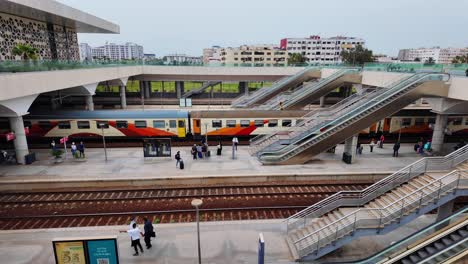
x=126, y=166
x=221, y=242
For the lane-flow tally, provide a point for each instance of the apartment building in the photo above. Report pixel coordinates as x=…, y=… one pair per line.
x=85, y=52
x=112, y=51
x=182, y=59
x=316, y=49
x=247, y=55
x=439, y=55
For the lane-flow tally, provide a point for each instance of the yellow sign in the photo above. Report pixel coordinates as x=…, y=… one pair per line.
x=70, y=252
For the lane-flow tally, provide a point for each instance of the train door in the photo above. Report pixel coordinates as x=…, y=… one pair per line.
x=386, y=125
x=181, y=128
x=196, y=127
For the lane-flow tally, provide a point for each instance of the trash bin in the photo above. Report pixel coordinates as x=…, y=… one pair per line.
x=30, y=158
x=347, y=158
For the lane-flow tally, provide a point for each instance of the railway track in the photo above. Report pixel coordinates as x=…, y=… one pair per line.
x=112, y=207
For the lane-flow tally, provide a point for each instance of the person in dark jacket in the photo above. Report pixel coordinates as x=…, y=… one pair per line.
x=81, y=148
x=396, y=147
x=149, y=229
x=194, y=151
x=177, y=157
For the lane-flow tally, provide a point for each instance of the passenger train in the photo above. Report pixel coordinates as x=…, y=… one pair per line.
x=121, y=124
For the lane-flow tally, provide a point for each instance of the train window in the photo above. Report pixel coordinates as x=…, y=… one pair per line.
x=121, y=124
x=216, y=123
x=64, y=125
x=245, y=123
x=83, y=124
x=405, y=121
x=159, y=124
x=45, y=124
x=259, y=123
x=181, y=123
x=140, y=123
x=273, y=123
x=231, y=123
x=466, y=121
x=298, y=121
x=103, y=124
x=27, y=124
x=286, y=123
x=431, y=120
x=172, y=124
x=456, y=121
x=419, y=121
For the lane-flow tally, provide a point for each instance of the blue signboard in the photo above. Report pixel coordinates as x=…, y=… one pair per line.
x=102, y=251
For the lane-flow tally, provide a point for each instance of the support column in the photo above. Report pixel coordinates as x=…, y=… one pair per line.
x=358, y=88
x=439, y=132
x=89, y=103
x=179, y=88
x=443, y=212
x=123, y=98
x=20, y=142
x=147, y=89
x=350, y=147
x=142, y=89
x=322, y=101
x=244, y=88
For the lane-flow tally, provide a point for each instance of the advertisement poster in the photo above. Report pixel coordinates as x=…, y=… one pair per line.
x=70, y=252
x=102, y=252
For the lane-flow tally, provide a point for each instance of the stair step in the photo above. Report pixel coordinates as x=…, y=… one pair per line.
x=407, y=261
x=439, y=246
x=422, y=254
x=447, y=241
x=414, y=258
x=431, y=250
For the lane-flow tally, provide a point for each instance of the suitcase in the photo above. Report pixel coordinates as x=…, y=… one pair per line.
x=181, y=165
x=200, y=155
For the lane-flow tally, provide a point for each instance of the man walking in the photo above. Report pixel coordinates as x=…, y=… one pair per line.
x=149, y=232
x=135, y=236
x=396, y=147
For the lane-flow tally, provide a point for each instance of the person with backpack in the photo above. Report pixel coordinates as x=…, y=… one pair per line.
x=177, y=157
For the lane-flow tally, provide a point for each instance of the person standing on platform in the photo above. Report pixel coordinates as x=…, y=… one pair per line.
x=235, y=141
x=177, y=157
x=73, y=149
x=81, y=149
x=382, y=139
x=134, y=233
x=371, y=145
x=149, y=232
x=396, y=147
x=52, y=145
x=194, y=151
x=199, y=151
x=358, y=148
x=219, y=148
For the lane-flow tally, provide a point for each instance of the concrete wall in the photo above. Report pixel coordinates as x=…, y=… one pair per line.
x=459, y=88
x=381, y=78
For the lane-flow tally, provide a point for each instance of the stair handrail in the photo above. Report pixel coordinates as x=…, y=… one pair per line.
x=403, y=200
x=279, y=154
x=358, y=198
x=262, y=91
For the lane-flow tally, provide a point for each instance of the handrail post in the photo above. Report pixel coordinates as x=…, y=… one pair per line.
x=336, y=234
x=402, y=209
x=380, y=220
x=458, y=183
x=438, y=192
x=420, y=199
x=354, y=224
x=318, y=243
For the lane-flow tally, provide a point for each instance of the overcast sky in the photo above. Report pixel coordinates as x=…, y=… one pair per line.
x=188, y=26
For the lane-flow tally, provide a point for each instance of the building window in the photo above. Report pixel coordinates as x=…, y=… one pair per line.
x=216, y=123
x=140, y=123
x=273, y=123
x=64, y=125
x=259, y=123
x=159, y=124
x=286, y=123
x=83, y=124
x=231, y=123
x=121, y=124
x=245, y=123
x=172, y=124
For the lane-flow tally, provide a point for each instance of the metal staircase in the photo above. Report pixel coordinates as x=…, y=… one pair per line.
x=308, y=92
x=284, y=84
x=200, y=90
x=392, y=99
x=382, y=207
x=420, y=247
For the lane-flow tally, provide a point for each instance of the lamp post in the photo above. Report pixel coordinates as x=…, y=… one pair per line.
x=103, y=141
x=197, y=203
x=206, y=133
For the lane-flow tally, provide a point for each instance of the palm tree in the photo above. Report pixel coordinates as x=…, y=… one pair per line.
x=25, y=51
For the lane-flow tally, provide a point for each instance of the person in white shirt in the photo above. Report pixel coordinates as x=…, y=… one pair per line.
x=235, y=141
x=134, y=233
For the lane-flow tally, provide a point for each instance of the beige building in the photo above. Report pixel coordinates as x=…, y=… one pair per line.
x=247, y=55
x=446, y=55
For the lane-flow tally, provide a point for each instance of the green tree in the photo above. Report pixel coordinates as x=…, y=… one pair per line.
x=430, y=61
x=460, y=59
x=25, y=51
x=296, y=58
x=358, y=55
x=417, y=59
